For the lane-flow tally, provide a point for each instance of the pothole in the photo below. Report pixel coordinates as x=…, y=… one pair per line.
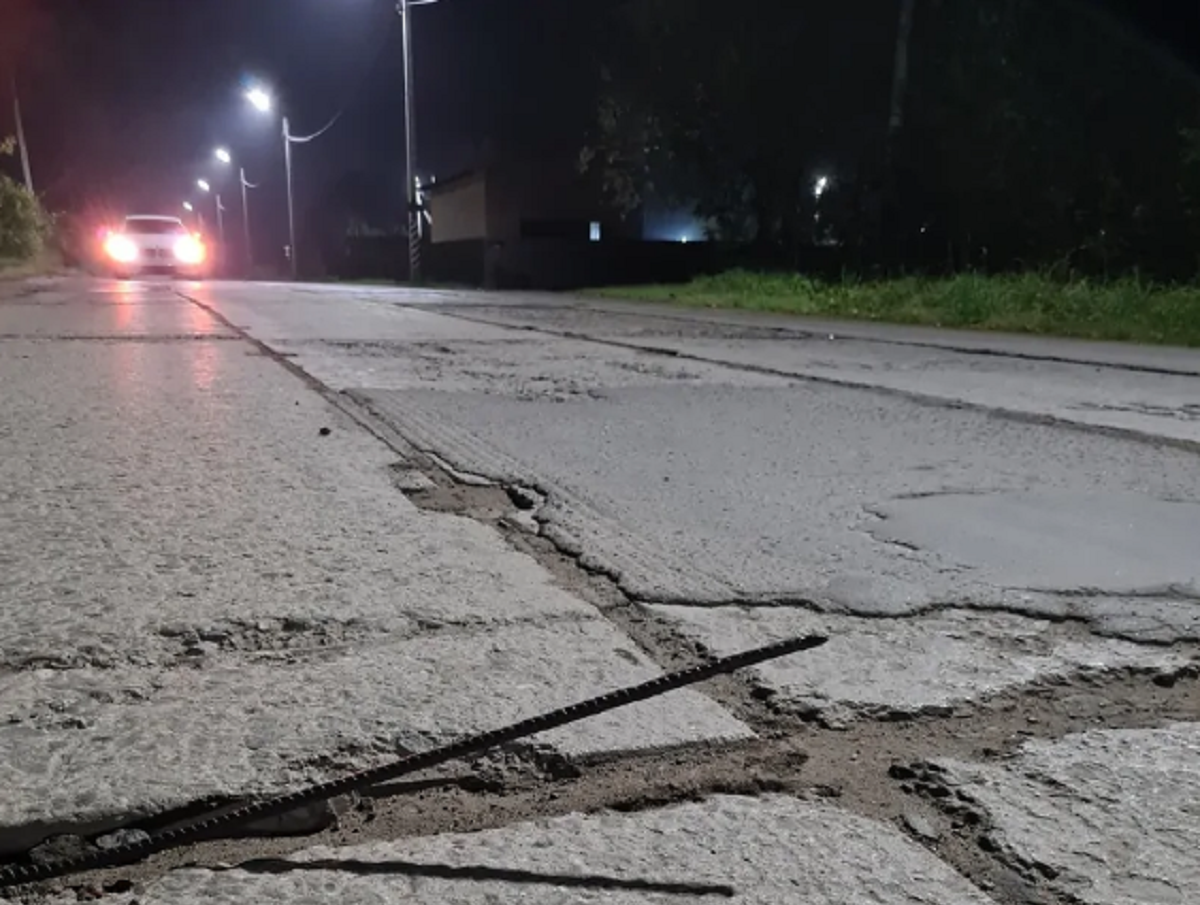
x=505, y=506
x=484, y=504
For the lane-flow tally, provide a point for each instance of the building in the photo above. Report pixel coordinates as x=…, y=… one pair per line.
x=538, y=223
x=508, y=200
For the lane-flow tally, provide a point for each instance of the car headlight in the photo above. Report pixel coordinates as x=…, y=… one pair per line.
x=189, y=250
x=120, y=249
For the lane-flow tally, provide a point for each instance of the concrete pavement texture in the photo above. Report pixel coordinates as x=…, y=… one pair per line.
x=203, y=597
x=1148, y=391
x=763, y=852
x=257, y=535
x=1112, y=817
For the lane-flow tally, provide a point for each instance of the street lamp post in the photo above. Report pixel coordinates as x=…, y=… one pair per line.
x=223, y=155
x=246, y=218
x=291, y=204
x=403, y=7
x=262, y=102
x=220, y=225
x=204, y=186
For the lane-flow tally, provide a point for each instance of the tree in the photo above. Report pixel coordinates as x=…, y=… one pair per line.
x=22, y=221
x=1035, y=133
x=999, y=132
x=732, y=109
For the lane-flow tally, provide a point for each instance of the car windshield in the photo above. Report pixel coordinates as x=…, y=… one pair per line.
x=151, y=227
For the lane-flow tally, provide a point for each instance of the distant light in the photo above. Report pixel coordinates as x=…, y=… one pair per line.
x=187, y=206
x=224, y=156
x=684, y=240
x=260, y=99
x=594, y=231
x=820, y=186
x=203, y=185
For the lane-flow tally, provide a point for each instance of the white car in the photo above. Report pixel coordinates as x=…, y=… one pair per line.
x=152, y=244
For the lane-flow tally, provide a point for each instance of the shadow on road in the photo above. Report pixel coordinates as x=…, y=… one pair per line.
x=504, y=875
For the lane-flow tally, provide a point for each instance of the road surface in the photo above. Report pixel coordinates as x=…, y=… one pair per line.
x=255, y=536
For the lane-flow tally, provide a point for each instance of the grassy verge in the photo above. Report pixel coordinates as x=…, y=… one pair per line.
x=44, y=264
x=1125, y=310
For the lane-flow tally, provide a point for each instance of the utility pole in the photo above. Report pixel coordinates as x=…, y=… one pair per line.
x=899, y=75
x=414, y=226
x=895, y=119
x=287, y=163
x=24, y=148
x=249, y=252
x=221, y=224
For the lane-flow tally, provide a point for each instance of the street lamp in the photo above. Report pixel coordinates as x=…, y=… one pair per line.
x=225, y=157
x=261, y=101
x=187, y=206
x=204, y=186
x=414, y=221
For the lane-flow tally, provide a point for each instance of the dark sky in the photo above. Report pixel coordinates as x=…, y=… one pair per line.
x=126, y=99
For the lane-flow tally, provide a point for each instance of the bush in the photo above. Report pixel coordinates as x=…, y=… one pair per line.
x=22, y=222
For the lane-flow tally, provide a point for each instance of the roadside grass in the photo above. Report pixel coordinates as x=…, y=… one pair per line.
x=1127, y=310
x=46, y=263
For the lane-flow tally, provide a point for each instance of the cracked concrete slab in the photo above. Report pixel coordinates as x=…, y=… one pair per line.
x=211, y=585
x=1098, y=384
x=1159, y=405
x=622, y=318
x=758, y=852
x=187, y=487
x=1111, y=817
x=883, y=668
x=89, y=748
x=794, y=491
x=521, y=366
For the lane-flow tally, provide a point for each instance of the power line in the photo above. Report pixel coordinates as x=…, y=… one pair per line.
x=362, y=79
x=300, y=140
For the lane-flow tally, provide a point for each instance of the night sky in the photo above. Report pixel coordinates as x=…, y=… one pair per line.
x=125, y=100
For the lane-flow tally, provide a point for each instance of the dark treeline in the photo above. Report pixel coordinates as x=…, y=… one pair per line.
x=1013, y=134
